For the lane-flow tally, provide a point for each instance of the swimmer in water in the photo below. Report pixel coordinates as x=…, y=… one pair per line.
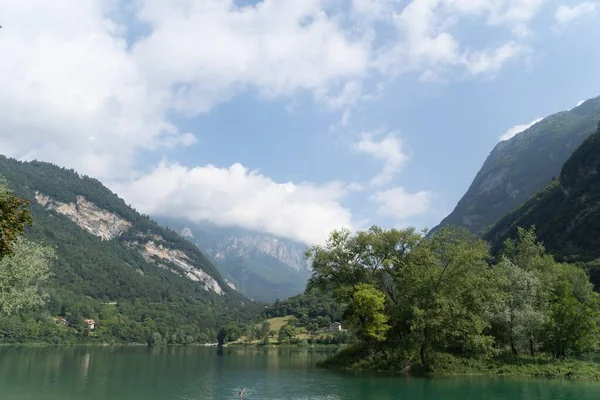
x=242, y=393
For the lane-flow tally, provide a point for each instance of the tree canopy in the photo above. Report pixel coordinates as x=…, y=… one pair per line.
x=24, y=266
x=448, y=295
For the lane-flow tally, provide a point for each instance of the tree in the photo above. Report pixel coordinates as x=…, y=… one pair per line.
x=264, y=329
x=229, y=333
x=23, y=275
x=433, y=294
x=23, y=265
x=286, y=333
x=312, y=328
x=573, y=326
x=366, y=314
x=250, y=333
x=520, y=315
x=449, y=291
x=336, y=266
x=14, y=217
x=526, y=252
x=370, y=256
x=156, y=339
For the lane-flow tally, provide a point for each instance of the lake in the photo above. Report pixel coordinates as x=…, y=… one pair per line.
x=197, y=373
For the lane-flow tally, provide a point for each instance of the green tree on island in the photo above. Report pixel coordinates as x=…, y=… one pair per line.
x=418, y=299
x=366, y=314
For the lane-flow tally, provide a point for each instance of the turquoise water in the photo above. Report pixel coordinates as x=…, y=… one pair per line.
x=195, y=373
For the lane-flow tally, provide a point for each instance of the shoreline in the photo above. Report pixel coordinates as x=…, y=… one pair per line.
x=213, y=345
x=446, y=365
x=540, y=368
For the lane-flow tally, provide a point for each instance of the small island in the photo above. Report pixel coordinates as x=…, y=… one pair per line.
x=444, y=304
x=437, y=306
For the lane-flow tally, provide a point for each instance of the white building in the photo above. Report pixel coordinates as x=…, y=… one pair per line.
x=335, y=326
x=91, y=324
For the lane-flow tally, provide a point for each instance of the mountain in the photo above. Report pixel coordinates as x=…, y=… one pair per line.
x=565, y=213
x=155, y=283
x=259, y=265
x=519, y=167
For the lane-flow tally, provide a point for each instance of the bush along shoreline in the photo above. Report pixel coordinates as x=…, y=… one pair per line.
x=356, y=358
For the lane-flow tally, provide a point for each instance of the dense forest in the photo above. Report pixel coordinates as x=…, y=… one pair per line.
x=131, y=299
x=566, y=213
x=426, y=304
x=520, y=166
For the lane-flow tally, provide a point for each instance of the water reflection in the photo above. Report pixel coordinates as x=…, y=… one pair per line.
x=85, y=365
x=193, y=373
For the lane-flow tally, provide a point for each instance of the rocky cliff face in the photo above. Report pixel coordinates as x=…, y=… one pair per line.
x=519, y=167
x=259, y=265
x=108, y=226
x=246, y=245
x=95, y=220
x=153, y=248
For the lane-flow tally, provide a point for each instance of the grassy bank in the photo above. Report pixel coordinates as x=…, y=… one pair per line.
x=356, y=358
x=302, y=344
x=299, y=336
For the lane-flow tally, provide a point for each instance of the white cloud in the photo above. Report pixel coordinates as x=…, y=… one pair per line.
x=71, y=93
x=565, y=14
x=426, y=41
x=492, y=61
x=238, y=196
x=76, y=93
x=518, y=129
x=215, y=48
x=389, y=148
x=372, y=8
x=397, y=203
x=80, y=89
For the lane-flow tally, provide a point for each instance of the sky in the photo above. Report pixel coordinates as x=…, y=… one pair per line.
x=284, y=116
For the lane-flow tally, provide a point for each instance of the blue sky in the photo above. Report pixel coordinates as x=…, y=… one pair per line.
x=286, y=117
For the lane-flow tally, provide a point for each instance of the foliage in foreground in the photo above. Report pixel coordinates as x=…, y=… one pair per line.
x=413, y=300
x=24, y=266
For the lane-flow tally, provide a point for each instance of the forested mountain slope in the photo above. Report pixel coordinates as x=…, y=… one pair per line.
x=517, y=168
x=135, y=278
x=566, y=213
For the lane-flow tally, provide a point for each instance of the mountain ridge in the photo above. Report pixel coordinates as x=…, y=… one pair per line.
x=520, y=166
x=158, y=285
x=566, y=212
x=260, y=265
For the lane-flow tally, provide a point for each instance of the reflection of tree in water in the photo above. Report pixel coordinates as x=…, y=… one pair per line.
x=85, y=365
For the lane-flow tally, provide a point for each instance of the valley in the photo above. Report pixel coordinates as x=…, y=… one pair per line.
x=119, y=277
x=263, y=267
x=283, y=199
